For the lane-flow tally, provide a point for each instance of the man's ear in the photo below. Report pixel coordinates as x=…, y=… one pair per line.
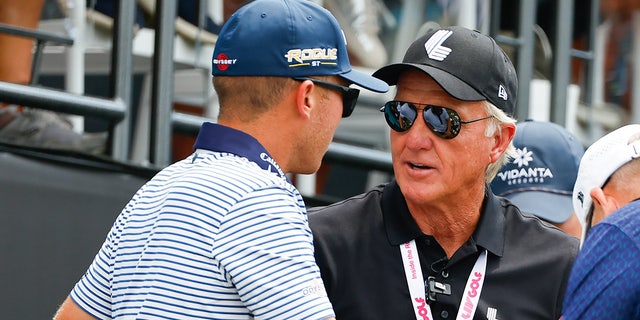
x=502, y=140
x=304, y=98
x=608, y=203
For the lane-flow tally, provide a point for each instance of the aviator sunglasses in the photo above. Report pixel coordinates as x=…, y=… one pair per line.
x=349, y=95
x=443, y=122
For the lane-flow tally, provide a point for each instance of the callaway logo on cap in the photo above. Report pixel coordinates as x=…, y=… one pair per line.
x=468, y=65
x=285, y=38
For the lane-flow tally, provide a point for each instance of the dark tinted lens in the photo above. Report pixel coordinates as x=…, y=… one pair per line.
x=399, y=115
x=442, y=121
x=349, y=95
x=437, y=119
x=349, y=100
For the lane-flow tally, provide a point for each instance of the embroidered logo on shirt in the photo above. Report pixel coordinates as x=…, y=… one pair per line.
x=434, y=47
x=492, y=314
x=316, y=288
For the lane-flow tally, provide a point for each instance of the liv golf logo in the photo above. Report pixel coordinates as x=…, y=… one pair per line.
x=525, y=173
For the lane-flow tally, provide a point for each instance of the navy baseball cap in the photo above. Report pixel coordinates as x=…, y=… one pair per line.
x=467, y=64
x=540, y=179
x=286, y=38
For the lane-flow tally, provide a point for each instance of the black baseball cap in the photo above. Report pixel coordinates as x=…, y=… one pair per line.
x=467, y=64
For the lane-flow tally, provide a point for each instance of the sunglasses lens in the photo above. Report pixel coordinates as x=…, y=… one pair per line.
x=349, y=100
x=444, y=122
x=437, y=119
x=400, y=115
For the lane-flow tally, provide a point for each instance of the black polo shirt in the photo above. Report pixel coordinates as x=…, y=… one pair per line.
x=357, y=248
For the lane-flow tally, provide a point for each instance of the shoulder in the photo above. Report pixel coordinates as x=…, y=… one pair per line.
x=526, y=229
x=615, y=240
x=604, y=280
x=338, y=222
x=530, y=234
x=214, y=183
x=351, y=209
x=529, y=223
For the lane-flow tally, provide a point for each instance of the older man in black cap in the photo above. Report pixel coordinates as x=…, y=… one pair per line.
x=435, y=243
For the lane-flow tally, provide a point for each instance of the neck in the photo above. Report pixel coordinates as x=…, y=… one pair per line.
x=451, y=224
x=275, y=140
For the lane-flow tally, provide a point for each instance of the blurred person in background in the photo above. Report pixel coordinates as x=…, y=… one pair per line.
x=605, y=279
x=539, y=179
x=31, y=127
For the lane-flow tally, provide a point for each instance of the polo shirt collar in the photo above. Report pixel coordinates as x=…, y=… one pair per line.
x=401, y=227
x=219, y=138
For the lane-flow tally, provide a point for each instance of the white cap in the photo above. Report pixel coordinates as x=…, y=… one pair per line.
x=599, y=162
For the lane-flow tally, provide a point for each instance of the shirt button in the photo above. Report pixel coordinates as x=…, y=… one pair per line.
x=426, y=241
x=445, y=274
x=444, y=314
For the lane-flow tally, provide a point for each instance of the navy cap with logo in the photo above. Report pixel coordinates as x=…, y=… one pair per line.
x=540, y=179
x=468, y=65
x=286, y=38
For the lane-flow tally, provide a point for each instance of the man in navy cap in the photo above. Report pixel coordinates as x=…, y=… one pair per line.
x=435, y=243
x=223, y=234
x=539, y=179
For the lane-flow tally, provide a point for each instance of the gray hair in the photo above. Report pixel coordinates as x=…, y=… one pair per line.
x=498, y=118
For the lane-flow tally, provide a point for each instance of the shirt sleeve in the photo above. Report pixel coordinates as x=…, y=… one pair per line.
x=265, y=247
x=93, y=292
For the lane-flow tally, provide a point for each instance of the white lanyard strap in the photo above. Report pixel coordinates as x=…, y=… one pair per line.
x=415, y=281
x=473, y=288
x=413, y=273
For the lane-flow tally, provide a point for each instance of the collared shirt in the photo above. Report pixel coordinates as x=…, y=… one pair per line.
x=605, y=280
x=220, y=235
x=357, y=248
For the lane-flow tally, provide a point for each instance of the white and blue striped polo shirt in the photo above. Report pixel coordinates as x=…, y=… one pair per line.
x=220, y=235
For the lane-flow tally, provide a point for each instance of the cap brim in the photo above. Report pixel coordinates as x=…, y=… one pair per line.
x=452, y=85
x=552, y=207
x=366, y=81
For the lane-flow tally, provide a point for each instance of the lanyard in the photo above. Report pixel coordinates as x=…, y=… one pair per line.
x=413, y=272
